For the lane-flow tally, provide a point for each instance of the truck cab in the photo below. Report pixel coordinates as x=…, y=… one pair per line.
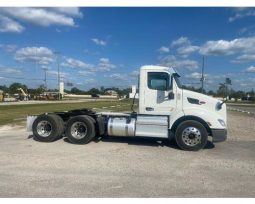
x=161, y=93
x=166, y=110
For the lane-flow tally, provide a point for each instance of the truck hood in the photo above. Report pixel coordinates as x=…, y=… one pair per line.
x=196, y=100
x=200, y=96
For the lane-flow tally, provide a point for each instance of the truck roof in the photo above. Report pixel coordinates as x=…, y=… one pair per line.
x=157, y=67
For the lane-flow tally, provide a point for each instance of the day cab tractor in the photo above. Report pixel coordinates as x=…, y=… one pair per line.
x=166, y=110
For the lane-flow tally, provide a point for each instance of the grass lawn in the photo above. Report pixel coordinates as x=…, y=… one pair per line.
x=16, y=114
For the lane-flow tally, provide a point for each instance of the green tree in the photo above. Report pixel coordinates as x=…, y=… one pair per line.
x=94, y=91
x=13, y=88
x=237, y=94
x=211, y=93
x=4, y=88
x=75, y=90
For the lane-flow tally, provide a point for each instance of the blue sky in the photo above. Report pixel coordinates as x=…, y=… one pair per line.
x=106, y=46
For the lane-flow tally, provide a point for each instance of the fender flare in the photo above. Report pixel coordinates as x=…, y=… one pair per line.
x=190, y=117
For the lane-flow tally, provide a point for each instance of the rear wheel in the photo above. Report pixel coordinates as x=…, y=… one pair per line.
x=80, y=129
x=191, y=135
x=47, y=128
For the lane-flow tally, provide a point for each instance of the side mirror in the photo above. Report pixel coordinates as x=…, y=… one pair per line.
x=170, y=95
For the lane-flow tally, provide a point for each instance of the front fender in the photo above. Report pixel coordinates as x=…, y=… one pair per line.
x=211, y=118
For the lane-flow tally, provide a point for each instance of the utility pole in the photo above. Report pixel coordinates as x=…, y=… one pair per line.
x=227, y=82
x=57, y=55
x=202, y=77
x=45, y=77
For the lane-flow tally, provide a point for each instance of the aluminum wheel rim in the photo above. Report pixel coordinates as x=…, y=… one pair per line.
x=191, y=136
x=44, y=128
x=78, y=130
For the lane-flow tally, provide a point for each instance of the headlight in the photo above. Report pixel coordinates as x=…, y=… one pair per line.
x=222, y=122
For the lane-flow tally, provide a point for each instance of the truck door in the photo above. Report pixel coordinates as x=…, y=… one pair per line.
x=160, y=96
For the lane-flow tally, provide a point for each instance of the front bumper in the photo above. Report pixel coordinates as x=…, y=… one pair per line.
x=219, y=135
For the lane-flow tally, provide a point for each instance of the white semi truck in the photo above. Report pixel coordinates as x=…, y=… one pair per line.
x=166, y=110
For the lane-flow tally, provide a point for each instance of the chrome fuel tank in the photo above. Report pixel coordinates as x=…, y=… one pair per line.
x=122, y=126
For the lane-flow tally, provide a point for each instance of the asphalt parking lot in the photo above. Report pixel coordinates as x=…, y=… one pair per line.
x=121, y=167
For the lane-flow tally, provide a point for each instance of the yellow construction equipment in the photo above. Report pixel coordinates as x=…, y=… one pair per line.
x=24, y=96
x=1, y=96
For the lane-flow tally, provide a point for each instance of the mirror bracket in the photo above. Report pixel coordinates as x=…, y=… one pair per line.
x=170, y=95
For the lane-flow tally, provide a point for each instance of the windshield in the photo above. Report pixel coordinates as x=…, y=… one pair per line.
x=177, y=79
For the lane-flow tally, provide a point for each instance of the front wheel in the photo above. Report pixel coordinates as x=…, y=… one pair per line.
x=191, y=135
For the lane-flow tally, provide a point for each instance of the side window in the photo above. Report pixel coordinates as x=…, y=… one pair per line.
x=158, y=80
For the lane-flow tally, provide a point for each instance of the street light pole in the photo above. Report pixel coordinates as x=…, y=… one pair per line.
x=45, y=78
x=57, y=54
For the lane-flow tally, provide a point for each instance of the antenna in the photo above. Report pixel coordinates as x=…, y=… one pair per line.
x=202, y=77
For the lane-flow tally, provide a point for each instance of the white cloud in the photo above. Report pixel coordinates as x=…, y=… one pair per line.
x=63, y=75
x=72, y=11
x=181, y=41
x=43, y=16
x=88, y=81
x=195, y=75
x=45, y=67
x=9, y=25
x=134, y=73
x=245, y=58
x=251, y=69
x=185, y=51
x=9, y=70
x=172, y=61
x=105, y=64
x=104, y=60
x=163, y=49
x=125, y=76
x=40, y=55
x=224, y=47
x=241, y=13
x=8, y=47
x=118, y=76
x=12, y=71
x=99, y=42
x=86, y=73
x=249, y=30
x=184, y=47
x=74, y=63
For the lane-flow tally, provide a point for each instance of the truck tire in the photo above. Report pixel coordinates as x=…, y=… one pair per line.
x=191, y=135
x=80, y=129
x=48, y=127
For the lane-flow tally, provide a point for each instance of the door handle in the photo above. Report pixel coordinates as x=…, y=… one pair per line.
x=149, y=109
